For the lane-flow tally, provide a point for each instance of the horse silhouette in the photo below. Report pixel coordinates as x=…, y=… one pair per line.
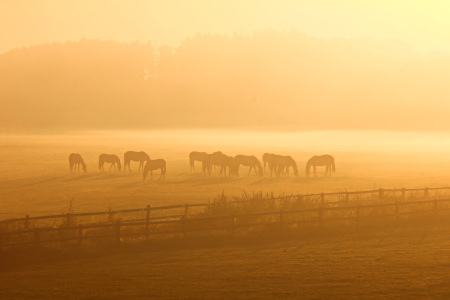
x=219, y=160
x=195, y=156
x=75, y=160
x=319, y=161
x=248, y=161
x=129, y=156
x=108, y=158
x=155, y=164
x=230, y=164
x=282, y=165
x=268, y=159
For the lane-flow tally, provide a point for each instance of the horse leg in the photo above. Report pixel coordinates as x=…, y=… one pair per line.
x=110, y=167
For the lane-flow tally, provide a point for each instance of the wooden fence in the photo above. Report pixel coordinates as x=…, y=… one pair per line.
x=187, y=218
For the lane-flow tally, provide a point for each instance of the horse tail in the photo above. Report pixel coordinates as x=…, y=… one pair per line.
x=100, y=162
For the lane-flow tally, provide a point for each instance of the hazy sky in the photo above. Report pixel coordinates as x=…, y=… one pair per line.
x=423, y=24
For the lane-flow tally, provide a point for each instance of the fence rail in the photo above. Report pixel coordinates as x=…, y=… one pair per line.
x=184, y=223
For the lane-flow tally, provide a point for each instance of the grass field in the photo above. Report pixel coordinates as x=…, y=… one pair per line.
x=409, y=262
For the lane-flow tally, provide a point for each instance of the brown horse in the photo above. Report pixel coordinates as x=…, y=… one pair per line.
x=129, y=156
x=108, y=158
x=248, y=161
x=318, y=161
x=195, y=156
x=155, y=164
x=75, y=160
x=282, y=165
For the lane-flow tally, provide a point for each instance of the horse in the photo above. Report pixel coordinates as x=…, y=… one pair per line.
x=268, y=158
x=155, y=164
x=229, y=162
x=248, y=161
x=195, y=156
x=207, y=164
x=129, y=156
x=318, y=161
x=283, y=163
x=75, y=160
x=108, y=158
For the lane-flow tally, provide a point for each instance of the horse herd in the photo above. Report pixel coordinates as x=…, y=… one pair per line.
x=226, y=166
x=75, y=161
x=278, y=164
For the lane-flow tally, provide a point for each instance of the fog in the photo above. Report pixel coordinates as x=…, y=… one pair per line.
x=224, y=149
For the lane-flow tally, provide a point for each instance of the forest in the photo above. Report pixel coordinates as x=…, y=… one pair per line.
x=276, y=80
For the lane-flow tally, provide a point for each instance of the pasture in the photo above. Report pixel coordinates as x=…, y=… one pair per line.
x=35, y=177
x=388, y=262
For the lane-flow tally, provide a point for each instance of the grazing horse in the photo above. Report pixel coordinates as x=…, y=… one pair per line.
x=228, y=162
x=318, y=161
x=248, y=161
x=129, y=156
x=207, y=163
x=155, y=164
x=75, y=160
x=195, y=156
x=108, y=158
x=282, y=165
x=268, y=159
x=220, y=160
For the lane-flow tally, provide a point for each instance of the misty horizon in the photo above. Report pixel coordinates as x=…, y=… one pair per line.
x=241, y=81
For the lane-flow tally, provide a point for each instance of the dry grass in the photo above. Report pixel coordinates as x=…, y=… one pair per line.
x=391, y=263
x=385, y=259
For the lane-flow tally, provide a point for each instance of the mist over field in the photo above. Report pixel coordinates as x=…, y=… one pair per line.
x=269, y=79
x=224, y=149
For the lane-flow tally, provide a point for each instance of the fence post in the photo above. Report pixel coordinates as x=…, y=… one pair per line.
x=80, y=234
x=396, y=211
x=186, y=209
x=36, y=237
x=281, y=219
x=233, y=224
x=68, y=219
x=425, y=193
x=357, y=216
x=380, y=194
x=27, y=222
x=322, y=198
x=147, y=223
x=183, y=222
x=110, y=215
x=435, y=206
x=118, y=232
x=346, y=196
x=403, y=194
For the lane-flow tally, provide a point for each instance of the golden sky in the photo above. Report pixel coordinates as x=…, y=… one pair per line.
x=422, y=24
